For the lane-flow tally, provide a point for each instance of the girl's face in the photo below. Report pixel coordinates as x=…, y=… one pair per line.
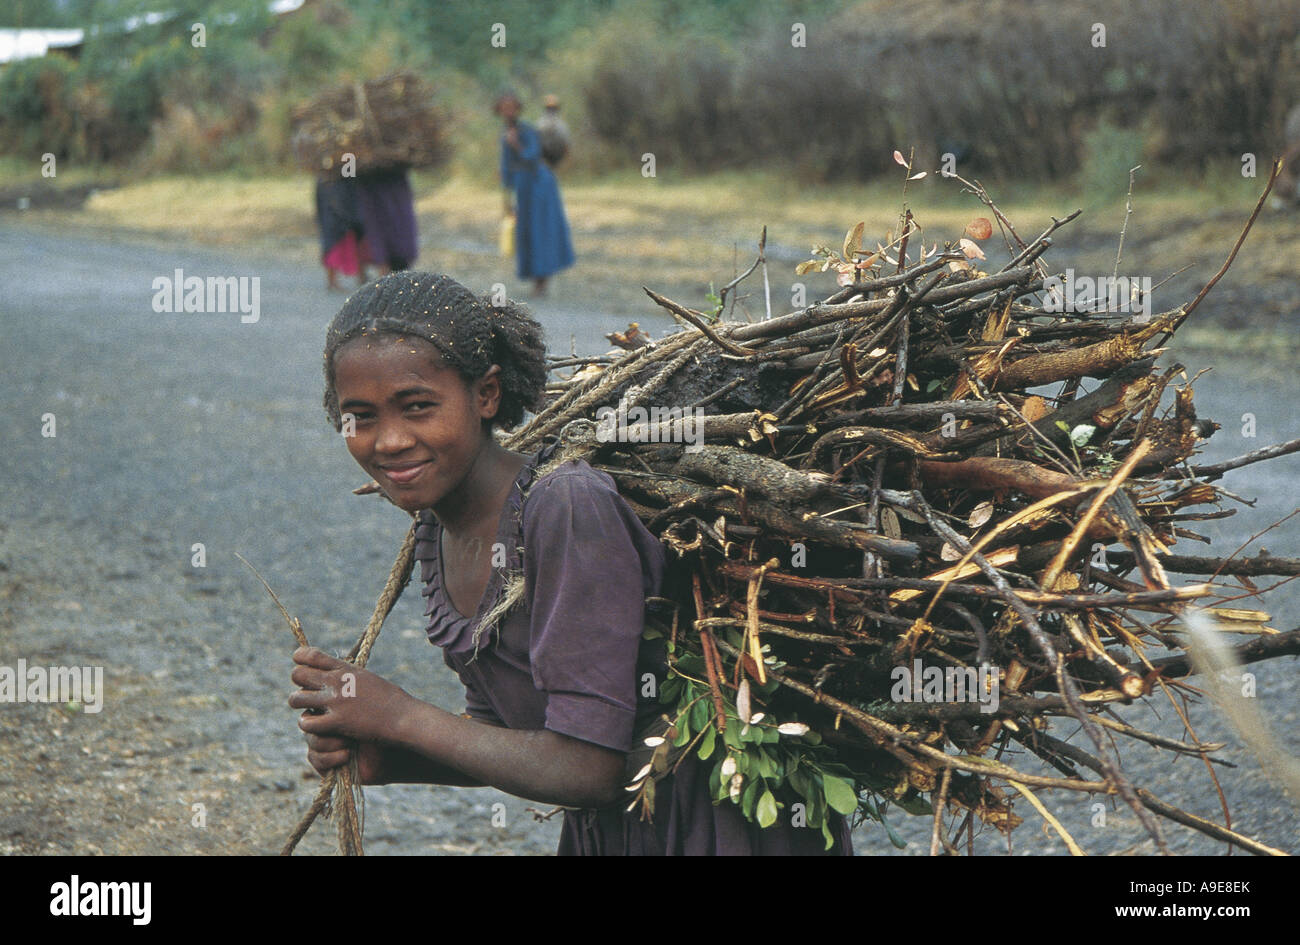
x=419, y=425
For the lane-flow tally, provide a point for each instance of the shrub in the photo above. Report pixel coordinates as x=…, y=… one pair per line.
x=1011, y=88
x=37, y=106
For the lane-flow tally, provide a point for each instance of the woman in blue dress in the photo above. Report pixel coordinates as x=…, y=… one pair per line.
x=542, y=244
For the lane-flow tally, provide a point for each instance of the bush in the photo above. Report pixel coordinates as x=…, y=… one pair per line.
x=1010, y=88
x=671, y=95
x=1109, y=153
x=37, y=106
x=306, y=49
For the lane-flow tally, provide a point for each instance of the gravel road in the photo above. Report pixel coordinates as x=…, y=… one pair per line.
x=178, y=430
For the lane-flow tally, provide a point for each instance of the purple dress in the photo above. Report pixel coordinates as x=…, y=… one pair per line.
x=387, y=208
x=570, y=657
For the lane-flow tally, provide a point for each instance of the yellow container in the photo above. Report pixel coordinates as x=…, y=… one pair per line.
x=506, y=238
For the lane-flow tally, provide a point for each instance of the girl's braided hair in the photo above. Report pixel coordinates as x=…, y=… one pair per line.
x=469, y=332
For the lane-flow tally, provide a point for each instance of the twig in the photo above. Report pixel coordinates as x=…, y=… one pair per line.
x=1128, y=212
x=343, y=784
x=1064, y=683
x=1189, y=308
x=722, y=293
x=1215, y=470
x=1040, y=245
x=1074, y=848
x=696, y=319
x=940, y=802
x=294, y=626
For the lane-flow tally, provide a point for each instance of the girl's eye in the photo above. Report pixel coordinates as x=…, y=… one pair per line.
x=420, y=405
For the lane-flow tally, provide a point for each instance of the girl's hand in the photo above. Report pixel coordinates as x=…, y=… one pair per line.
x=512, y=137
x=325, y=753
x=348, y=702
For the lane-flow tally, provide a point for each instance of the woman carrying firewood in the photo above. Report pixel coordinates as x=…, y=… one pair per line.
x=536, y=576
x=542, y=244
x=339, y=224
x=387, y=208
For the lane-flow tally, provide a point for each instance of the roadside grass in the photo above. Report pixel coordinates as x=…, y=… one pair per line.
x=227, y=208
x=691, y=235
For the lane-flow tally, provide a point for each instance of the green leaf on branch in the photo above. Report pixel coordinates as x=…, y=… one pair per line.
x=840, y=795
x=915, y=804
x=707, y=742
x=699, y=715
x=894, y=838
x=748, y=798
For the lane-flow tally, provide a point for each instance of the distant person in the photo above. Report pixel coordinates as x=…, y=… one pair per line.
x=387, y=209
x=339, y=224
x=1286, y=192
x=542, y=244
x=553, y=132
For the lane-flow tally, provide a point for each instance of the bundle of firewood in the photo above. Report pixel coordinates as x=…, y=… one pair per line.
x=387, y=122
x=917, y=524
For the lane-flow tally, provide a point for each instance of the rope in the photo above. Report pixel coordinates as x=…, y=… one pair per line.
x=340, y=789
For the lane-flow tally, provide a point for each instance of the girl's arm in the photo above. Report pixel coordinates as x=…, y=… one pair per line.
x=406, y=767
x=540, y=765
x=431, y=744
x=381, y=764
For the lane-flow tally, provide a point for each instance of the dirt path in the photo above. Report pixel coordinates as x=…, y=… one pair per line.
x=178, y=430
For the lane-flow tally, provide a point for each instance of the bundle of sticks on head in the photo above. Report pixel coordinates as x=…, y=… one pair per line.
x=387, y=122
x=924, y=535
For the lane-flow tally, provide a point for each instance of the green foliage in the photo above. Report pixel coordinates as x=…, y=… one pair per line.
x=757, y=767
x=107, y=104
x=36, y=106
x=714, y=300
x=43, y=14
x=304, y=51
x=135, y=91
x=1110, y=153
x=1014, y=90
x=672, y=94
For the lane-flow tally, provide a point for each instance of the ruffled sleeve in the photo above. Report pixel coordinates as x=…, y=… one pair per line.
x=589, y=565
x=447, y=628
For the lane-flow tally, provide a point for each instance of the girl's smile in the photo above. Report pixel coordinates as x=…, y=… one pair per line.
x=419, y=426
x=403, y=473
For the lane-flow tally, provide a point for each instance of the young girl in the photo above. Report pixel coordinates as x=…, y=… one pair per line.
x=553, y=687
